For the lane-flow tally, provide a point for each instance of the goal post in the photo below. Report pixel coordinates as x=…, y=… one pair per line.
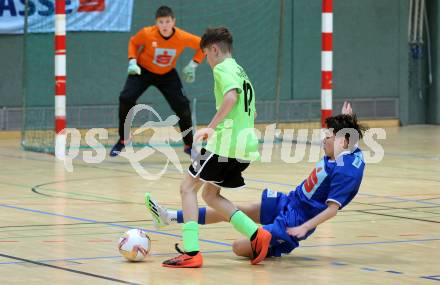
x=60, y=78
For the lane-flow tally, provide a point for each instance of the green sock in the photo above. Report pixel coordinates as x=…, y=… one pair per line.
x=243, y=224
x=191, y=236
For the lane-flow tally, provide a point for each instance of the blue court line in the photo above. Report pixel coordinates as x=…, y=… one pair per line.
x=369, y=269
x=373, y=242
x=364, y=194
x=270, y=182
x=338, y=263
x=64, y=259
x=105, y=223
x=205, y=240
x=401, y=199
x=432, y=277
x=334, y=263
x=103, y=257
x=308, y=258
x=394, y=272
x=419, y=156
x=292, y=186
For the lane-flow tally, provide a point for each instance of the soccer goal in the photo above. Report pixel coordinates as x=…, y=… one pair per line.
x=75, y=64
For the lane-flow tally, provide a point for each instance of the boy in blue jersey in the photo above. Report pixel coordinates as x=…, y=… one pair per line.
x=293, y=217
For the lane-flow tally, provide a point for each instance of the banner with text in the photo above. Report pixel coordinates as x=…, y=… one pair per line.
x=82, y=15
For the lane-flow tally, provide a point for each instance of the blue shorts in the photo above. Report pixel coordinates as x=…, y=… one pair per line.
x=276, y=215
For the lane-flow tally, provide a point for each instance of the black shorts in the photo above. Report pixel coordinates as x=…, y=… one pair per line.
x=221, y=171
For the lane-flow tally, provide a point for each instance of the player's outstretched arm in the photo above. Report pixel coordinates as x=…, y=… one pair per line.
x=301, y=231
x=193, y=41
x=134, y=44
x=189, y=71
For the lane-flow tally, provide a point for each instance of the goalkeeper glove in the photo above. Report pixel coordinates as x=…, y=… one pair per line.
x=189, y=72
x=133, y=68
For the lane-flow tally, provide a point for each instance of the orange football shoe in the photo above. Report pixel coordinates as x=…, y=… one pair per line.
x=260, y=245
x=184, y=260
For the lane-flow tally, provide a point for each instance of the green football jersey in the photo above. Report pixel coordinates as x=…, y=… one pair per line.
x=235, y=136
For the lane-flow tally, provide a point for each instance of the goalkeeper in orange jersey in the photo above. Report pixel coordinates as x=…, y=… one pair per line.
x=152, y=55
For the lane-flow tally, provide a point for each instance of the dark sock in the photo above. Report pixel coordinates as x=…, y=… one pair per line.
x=254, y=235
x=192, y=253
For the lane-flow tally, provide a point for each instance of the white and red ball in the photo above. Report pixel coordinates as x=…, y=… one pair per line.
x=134, y=245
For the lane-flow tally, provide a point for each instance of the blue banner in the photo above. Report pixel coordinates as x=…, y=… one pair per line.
x=81, y=15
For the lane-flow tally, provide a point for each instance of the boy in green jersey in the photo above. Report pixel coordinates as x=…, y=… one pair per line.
x=231, y=146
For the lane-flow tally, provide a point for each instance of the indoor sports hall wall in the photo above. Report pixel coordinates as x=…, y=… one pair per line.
x=433, y=102
x=370, y=62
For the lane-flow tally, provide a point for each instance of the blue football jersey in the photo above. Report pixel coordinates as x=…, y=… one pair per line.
x=331, y=180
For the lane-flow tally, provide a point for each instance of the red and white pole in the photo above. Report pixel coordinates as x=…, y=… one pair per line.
x=60, y=78
x=326, y=61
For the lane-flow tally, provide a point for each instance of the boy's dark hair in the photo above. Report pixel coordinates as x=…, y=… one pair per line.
x=349, y=122
x=164, y=11
x=220, y=36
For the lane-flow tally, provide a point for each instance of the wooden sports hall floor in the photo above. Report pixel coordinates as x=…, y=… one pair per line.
x=58, y=227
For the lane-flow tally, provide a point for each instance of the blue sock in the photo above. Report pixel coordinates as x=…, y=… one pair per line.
x=202, y=214
x=180, y=216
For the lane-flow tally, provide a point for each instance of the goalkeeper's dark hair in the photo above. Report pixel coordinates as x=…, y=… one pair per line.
x=340, y=122
x=164, y=11
x=220, y=36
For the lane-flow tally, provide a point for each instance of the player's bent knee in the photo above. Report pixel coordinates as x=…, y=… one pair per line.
x=239, y=249
x=185, y=189
x=236, y=248
x=189, y=185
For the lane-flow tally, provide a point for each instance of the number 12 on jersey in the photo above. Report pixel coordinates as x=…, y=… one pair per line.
x=248, y=96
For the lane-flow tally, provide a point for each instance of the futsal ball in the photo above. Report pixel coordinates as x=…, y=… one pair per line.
x=134, y=245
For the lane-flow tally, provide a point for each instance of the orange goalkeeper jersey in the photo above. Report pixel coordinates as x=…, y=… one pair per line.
x=158, y=54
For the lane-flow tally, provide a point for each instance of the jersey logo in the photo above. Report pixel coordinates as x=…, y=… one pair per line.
x=358, y=160
x=312, y=180
x=164, y=56
x=271, y=193
x=312, y=183
x=91, y=5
